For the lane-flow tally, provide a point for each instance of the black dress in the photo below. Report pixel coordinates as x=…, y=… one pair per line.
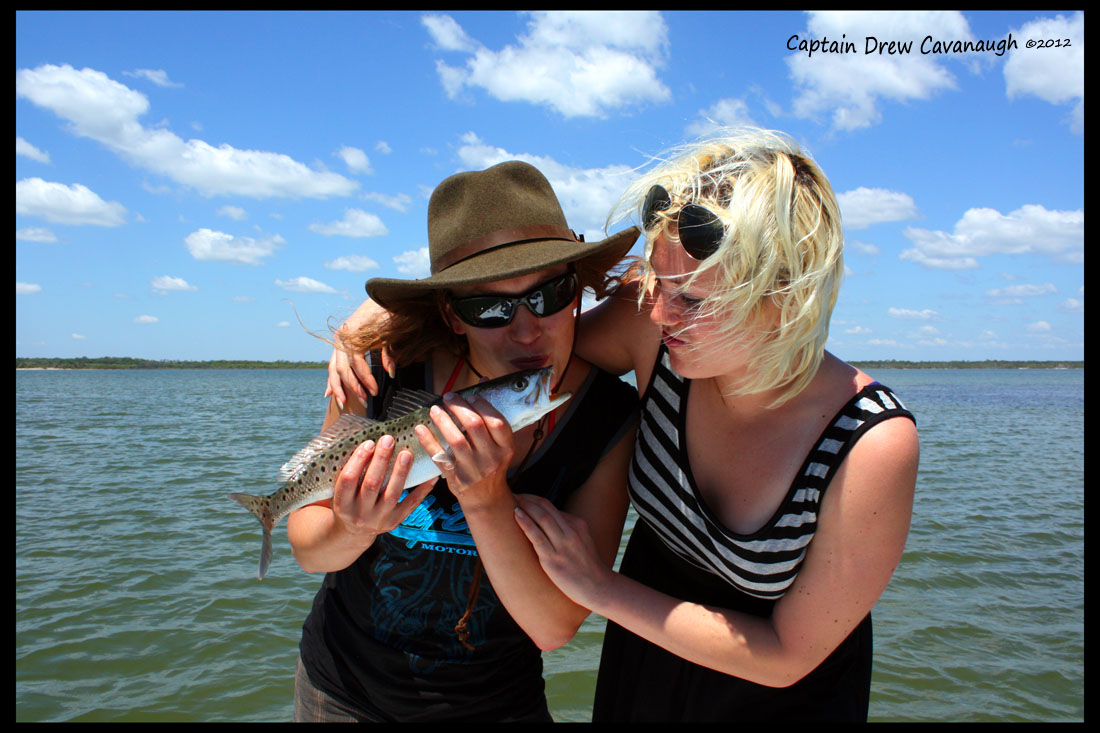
x=679, y=547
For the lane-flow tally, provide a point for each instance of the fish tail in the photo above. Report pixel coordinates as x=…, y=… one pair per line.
x=257, y=506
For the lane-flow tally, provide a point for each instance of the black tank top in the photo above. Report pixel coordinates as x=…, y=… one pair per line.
x=380, y=637
x=679, y=548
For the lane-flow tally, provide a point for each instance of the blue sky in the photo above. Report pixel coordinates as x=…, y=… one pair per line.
x=182, y=178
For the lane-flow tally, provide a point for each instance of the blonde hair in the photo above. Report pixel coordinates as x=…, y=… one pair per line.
x=783, y=245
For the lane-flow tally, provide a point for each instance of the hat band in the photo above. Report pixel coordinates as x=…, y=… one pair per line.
x=501, y=238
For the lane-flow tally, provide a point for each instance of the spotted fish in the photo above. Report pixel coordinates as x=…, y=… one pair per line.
x=522, y=398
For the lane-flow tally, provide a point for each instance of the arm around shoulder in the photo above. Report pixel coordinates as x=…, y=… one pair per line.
x=617, y=335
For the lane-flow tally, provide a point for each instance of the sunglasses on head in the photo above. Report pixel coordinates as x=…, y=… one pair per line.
x=699, y=229
x=495, y=311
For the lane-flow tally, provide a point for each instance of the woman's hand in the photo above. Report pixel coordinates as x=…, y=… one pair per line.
x=350, y=373
x=365, y=508
x=565, y=548
x=481, y=448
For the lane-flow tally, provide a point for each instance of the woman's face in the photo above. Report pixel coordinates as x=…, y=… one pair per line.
x=692, y=338
x=528, y=342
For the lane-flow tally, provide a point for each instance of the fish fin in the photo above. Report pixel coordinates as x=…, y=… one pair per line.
x=254, y=504
x=249, y=502
x=345, y=425
x=409, y=400
x=265, y=555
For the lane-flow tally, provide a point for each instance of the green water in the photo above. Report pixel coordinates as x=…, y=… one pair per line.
x=136, y=597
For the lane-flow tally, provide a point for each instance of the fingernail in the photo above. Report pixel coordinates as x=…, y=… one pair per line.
x=386, y=441
x=368, y=446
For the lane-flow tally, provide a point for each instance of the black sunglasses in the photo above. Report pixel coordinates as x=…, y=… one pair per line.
x=495, y=311
x=699, y=229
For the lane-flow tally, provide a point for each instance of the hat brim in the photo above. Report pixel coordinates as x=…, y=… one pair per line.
x=501, y=263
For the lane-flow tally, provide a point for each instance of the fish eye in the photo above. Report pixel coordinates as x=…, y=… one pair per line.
x=520, y=384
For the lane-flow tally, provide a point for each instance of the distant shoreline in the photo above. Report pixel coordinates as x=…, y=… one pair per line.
x=114, y=363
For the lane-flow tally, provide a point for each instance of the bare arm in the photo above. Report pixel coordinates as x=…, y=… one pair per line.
x=477, y=478
x=330, y=535
x=615, y=335
x=861, y=535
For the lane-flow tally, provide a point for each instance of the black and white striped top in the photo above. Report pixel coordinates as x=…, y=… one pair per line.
x=663, y=491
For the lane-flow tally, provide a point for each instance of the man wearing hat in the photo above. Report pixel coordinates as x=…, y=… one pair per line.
x=443, y=617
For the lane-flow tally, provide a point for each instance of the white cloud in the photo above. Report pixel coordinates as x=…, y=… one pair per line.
x=578, y=63
x=850, y=86
x=414, y=263
x=146, y=319
x=865, y=207
x=1014, y=294
x=79, y=336
x=74, y=205
x=166, y=283
x=352, y=263
x=1031, y=229
x=304, y=285
x=106, y=111
x=586, y=194
x=355, y=159
x=1055, y=75
x=157, y=76
x=864, y=247
x=857, y=330
x=210, y=246
x=356, y=223
x=921, y=315
x=723, y=113
x=383, y=147
x=24, y=148
x=400, y=202
x=35, y=234
x=448, y=34
x=1039, y=327
x=1073, y=305
x=233, y=212
x=27, y=288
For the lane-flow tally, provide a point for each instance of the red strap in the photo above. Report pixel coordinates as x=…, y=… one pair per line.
x=454, y=378
x=454, y=375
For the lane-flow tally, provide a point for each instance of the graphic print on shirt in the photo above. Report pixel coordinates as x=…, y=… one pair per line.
x=434, y=528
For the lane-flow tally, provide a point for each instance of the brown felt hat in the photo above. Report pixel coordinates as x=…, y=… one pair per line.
x=495, y=224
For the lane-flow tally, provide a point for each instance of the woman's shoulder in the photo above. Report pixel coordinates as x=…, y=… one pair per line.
x=602, y=390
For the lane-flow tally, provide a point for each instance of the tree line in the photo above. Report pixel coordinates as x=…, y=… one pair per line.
x=126, y=362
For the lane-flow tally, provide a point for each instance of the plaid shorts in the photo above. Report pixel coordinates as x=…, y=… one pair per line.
x=313, y=706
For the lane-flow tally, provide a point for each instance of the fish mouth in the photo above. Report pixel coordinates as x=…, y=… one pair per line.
x=555, y=399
